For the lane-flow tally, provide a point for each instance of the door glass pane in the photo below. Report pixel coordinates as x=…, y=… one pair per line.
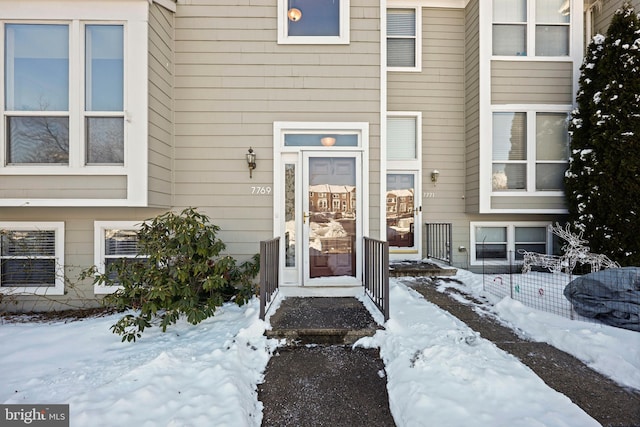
x=320, y=140
x=104, y=68
x=36, y=67
x=332, y=217
x=400, y=210
x=290, y=214
x=319, y=18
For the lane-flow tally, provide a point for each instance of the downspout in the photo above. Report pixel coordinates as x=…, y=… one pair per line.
x=589, y=21
x=383, y=119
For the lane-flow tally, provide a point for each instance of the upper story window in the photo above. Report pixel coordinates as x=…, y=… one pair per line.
x=31, y=258
x=104, y=94
x=531, y=27
x=45, y=120
x=313, y=21
x=530, y=151
x=403, y=39
x=402, y=137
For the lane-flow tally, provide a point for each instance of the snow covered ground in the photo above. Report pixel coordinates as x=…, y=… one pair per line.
x=439, y=371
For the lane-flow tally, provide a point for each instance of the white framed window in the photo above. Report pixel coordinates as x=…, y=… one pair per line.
x=32, y=258
x=313, y=21
x=530, y=151
x=73, y=99
x=404, y=35
x=114, y=241
x=404, y=139
x=527, y=28
x=41, y=86
x=499, y=242
x=403, y=183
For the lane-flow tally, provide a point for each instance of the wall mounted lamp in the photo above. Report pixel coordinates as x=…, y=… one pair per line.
x=434, y=176
x=251, y=161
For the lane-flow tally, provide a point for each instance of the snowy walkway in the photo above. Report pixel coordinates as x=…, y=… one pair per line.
x=602, y=398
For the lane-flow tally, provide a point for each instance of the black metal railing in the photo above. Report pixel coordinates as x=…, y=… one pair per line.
x=269, y=268
x=439, y=241
x=376, y=273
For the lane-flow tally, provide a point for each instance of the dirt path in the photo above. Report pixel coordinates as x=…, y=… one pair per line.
x=600, y=397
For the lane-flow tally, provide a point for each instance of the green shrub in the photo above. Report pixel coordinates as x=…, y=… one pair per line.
x=178, y=272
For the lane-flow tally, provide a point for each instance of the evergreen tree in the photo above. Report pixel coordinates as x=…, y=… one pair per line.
x=603, y=179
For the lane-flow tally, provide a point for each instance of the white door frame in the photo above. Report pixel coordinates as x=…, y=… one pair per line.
x=292, y=276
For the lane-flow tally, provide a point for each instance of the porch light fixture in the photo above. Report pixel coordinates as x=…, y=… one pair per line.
x=251, y=161
x=328, y=141
x=434, y=176
x=294, y=14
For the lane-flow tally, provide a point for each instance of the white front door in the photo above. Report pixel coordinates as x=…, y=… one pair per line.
x=331, y=222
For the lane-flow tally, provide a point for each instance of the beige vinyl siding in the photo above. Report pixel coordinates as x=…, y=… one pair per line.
x=438, y=91
x=472, y=107
x=63, y=187
x=604, y=11
x=161, y=45
x=531, y=82
x=233, y=81
x=78, y=244
x=533, y=202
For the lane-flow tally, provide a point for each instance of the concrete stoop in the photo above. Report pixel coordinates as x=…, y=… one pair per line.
x=321, y=320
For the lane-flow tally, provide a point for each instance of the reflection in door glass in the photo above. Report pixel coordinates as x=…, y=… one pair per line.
x=400, y=210
x=290, y=214
x=332, y=217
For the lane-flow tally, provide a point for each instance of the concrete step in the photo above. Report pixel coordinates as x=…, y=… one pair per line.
x=419, y=269
x=321, y=320
x=334, y=336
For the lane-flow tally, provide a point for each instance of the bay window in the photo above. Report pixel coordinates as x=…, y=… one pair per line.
x=46, y=81
x=521, y=165
x=531, y=27
x=36, y=93
x=104, y=94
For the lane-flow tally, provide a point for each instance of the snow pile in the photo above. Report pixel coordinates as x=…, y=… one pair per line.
x=439, y=371
x=191, y=375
